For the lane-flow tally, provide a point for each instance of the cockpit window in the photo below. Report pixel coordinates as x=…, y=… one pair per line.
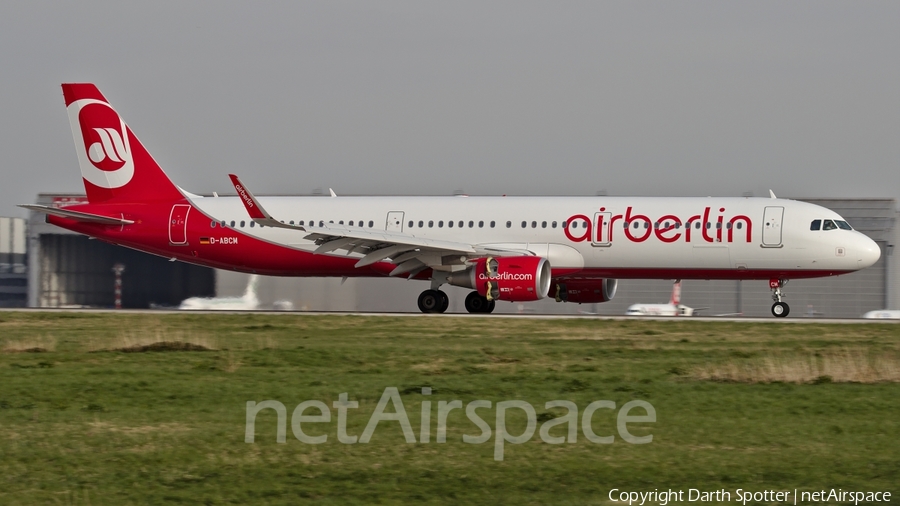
x=815, y=225
x=829, y=225
x=843, y=225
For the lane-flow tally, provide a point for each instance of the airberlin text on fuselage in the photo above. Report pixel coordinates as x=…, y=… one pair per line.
x=667, y=228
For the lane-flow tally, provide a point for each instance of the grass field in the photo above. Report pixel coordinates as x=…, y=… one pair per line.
x=150, y=409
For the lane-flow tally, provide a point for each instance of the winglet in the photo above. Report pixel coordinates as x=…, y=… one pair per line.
x=772, y=194
x=255, y=209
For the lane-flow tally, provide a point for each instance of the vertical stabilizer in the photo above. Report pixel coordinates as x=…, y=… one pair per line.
x=676, y=293
x=114, y=164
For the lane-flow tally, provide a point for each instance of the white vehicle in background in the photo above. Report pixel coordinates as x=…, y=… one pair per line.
x=673, y=308
x=883, y=314
x=246, y=302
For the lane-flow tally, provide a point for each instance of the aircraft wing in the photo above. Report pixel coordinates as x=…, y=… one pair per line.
x=409, y=253
x=77, y=215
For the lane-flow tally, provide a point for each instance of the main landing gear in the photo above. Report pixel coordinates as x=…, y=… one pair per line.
x=433, y=301
x=476, y=303
x=779, y=309
x=436, y=301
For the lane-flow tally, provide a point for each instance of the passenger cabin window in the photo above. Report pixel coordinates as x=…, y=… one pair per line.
x=242, y=224
x=492, y=224
x=232, y=223
x=450, y=224
x=829, y=225
x=410, y=223
x=371, y=223
x=815, y=225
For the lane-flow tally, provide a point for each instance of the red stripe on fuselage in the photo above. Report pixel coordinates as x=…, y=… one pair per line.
x=247, y=254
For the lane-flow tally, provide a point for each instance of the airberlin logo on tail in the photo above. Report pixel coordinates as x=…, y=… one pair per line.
x=667, y=228
x=111, y=146
x=101, y=141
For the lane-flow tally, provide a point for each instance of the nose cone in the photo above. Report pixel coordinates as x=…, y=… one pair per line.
x=867, y=251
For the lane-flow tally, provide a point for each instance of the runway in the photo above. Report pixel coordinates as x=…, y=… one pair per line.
x=732, y=319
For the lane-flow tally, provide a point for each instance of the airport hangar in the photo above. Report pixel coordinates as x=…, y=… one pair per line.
x=69, y=270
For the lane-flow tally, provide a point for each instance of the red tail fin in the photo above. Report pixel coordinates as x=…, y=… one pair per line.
x=114, y=164
x=676, y=293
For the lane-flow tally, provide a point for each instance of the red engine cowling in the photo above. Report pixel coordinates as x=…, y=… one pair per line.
x=514, y=279
x=588, y=291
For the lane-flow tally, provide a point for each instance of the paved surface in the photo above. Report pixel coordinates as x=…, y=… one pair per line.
x=798, y=319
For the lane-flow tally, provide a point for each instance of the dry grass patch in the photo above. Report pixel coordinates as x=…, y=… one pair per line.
x=134, y=342
x=840, y=366
x=165, y=428
x=31, y=345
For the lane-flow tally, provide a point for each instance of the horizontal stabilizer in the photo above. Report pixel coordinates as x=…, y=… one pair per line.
x=77, y=215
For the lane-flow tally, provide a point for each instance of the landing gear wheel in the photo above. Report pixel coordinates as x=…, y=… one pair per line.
x=490, y=307
x=780, y=309
x=433, y=301
x=476, y=303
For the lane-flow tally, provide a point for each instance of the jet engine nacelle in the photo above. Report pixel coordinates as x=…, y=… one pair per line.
x=584, y=290
x=513, y=279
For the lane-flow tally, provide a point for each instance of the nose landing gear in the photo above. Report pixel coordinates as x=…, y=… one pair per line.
x=779, y=309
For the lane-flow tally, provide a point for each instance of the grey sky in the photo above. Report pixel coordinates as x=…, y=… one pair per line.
x=517, y=97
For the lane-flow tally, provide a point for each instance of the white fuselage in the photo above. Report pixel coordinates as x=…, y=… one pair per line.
x=625, y=237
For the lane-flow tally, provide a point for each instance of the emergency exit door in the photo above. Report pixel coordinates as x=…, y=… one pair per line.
x=394, y=221
x=178, y=224
x=771, y=236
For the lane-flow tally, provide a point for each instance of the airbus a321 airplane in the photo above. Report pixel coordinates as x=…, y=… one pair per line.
x=515, y=249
